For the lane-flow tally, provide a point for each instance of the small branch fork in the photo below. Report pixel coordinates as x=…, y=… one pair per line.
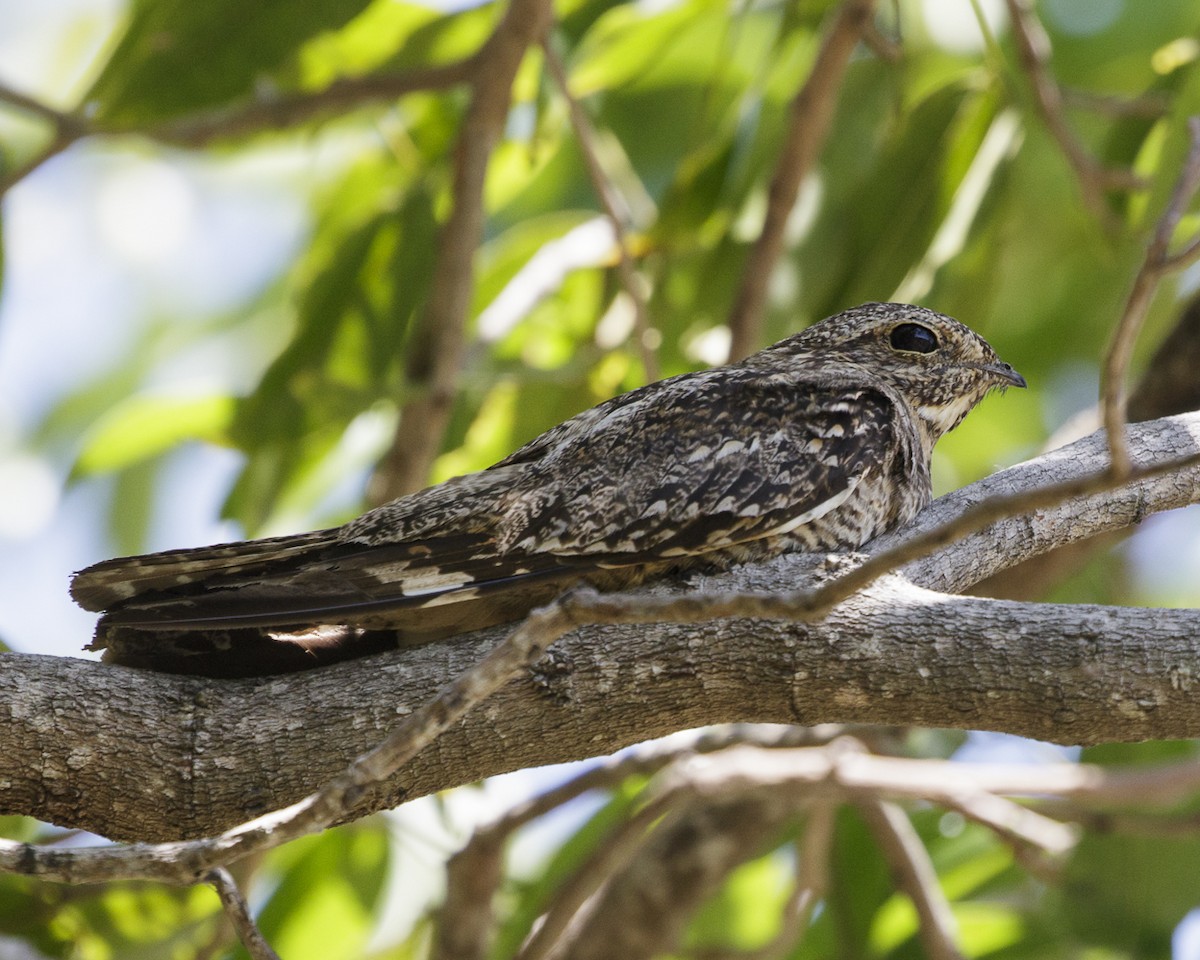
x=238, y=912
x=1095, y=180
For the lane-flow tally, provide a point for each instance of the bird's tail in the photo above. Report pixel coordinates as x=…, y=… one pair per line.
x=114, y=583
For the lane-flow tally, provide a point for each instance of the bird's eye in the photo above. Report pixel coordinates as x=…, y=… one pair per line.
x=914, y=338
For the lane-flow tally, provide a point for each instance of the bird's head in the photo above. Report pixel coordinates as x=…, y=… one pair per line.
x=941, y=367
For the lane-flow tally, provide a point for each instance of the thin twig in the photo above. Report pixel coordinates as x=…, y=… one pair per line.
x=649, y=759
x=812, y=881
x=1033, y=45
x=1150, y=106
x=1038, y=842
x=1158, y=262
x=466, y=922
x=855, y=774
x=610, y=858
x=265, y=113
x=1130, y=823
x=238, y=912
x=436, y=349
x=615, y=209
x=810, y=119
x=68, y=127
x=43, y=111
x=273, y=111
x=916, y=876
x=884, y=47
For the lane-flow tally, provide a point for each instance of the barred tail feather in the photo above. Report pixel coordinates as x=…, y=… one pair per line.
x=113, y=583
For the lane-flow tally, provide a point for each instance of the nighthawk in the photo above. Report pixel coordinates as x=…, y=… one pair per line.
x=819, y=442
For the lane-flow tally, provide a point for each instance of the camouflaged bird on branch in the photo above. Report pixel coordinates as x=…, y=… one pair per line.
x=819, y=442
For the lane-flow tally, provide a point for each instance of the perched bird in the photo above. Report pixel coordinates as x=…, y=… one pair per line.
x=819, y=442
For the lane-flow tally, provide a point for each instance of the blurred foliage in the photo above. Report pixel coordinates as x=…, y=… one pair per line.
x=939, y=184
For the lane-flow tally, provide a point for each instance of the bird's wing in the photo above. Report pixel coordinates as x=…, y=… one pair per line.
x=735, y=458
x=692, y=468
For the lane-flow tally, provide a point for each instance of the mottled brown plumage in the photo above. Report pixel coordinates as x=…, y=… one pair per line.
x=819, y=442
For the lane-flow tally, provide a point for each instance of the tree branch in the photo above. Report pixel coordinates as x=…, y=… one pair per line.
x=139, y=755
x=1168, y=386
x=68, y=127
x=810, y=118
x=915, y=875
x=615, y=209
x=275, y=111
x=238, y=912
x=333, y=802
x=434, y=354
x=466, y=920
x=1158, y=262
x=262, y=114
x=1033, y=46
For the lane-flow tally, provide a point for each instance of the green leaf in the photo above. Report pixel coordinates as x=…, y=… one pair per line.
x=745, y=913
x=138, y=920
x=328, y=886
x=626, y=42
x=178, y=56
x=148, y=424
x=530, y=897
x=1130, y=892
x=393, y=35
x=367, y=282
x=859, y=885
x=903, y=202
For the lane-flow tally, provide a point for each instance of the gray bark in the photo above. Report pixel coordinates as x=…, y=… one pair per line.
x=141, y=756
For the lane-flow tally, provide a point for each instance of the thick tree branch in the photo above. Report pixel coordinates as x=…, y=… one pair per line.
x=809, y=120
x=333, y=801
x=138, y=755
x=972, y=558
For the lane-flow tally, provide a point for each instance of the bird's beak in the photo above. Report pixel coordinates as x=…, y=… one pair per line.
x=1005, y=372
